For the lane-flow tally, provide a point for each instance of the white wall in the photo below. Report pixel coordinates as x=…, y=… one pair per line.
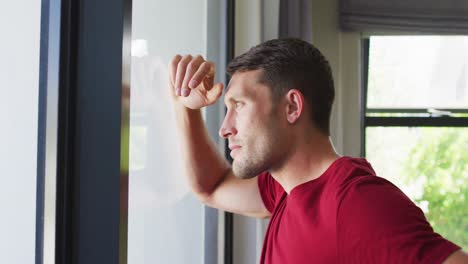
x=19, y=73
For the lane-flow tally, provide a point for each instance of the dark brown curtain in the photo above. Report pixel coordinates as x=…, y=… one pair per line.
x=295, y=19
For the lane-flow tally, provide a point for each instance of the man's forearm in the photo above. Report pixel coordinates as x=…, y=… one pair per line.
x=459, y=257
x=204, y=166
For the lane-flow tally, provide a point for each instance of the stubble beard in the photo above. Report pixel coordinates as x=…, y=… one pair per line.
x=249, y=167
x=264, y=151
x=259, y=159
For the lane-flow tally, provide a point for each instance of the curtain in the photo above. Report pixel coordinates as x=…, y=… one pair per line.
x=295, y=19
x=429, y=16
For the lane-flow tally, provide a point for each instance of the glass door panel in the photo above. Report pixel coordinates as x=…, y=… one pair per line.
x=165, y=221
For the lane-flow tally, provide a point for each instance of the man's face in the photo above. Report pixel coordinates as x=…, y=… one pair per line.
x=252, y=125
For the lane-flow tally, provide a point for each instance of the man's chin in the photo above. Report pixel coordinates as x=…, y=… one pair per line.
x=244, y=172
x=244, y=176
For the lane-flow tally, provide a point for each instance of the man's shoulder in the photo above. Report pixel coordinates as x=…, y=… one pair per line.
x=352, y=174
x=347, y=170
x=356, y=178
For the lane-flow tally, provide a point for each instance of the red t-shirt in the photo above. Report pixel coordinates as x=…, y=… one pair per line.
x=347, y=215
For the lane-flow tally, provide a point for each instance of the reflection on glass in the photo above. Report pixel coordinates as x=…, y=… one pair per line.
x=431, y=166
x=165, y=221
x=418, y=72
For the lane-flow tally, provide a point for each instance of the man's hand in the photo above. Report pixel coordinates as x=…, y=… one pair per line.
x=191, y=81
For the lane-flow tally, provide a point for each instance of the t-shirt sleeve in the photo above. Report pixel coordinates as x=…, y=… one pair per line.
x=377, y=223
x=268, y=188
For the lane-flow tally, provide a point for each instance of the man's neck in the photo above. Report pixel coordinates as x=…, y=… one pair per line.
x=308, y=161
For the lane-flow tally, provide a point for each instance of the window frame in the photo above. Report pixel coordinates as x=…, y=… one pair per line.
x=418, y=120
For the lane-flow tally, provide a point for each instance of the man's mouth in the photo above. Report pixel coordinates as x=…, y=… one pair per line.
x=234, y=150
x=233, y=147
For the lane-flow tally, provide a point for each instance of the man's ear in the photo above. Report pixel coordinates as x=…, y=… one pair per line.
x=294, y=105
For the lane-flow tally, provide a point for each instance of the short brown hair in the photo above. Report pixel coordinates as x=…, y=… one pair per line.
x=292, y=63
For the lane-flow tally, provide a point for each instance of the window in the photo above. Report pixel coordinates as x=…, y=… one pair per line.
x=416, y=123
x=166, y=222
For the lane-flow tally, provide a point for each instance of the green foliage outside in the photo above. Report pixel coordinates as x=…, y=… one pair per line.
x=440, y=159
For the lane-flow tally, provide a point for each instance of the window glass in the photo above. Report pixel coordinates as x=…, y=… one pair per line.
x=429, y=164
x=418, y=72
x=165, y=221
x=424, y=78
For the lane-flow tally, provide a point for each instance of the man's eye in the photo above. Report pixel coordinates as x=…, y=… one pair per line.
x=238, y=104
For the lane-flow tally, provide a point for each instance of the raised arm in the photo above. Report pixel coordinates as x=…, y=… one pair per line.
x=209, y=175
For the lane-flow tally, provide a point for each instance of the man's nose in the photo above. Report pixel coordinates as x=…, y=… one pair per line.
x=227, y=128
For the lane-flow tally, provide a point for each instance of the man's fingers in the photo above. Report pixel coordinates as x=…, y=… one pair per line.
x=187, y=72
x=173, y=68
x=205, y=68
x=215, y=92
x=192, y=68
x=180, y=74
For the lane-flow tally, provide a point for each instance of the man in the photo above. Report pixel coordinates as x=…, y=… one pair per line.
x=324, y=208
